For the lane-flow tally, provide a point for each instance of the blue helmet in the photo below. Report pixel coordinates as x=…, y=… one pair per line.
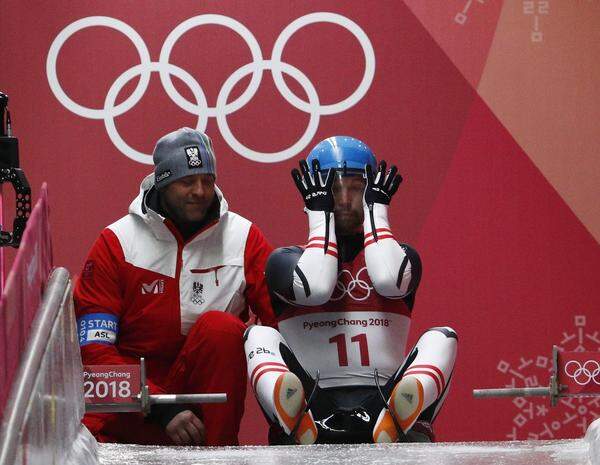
x=342, y=153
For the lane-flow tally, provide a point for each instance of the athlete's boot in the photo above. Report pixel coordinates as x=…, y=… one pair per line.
x=406, y=404
x=385, y=429
x=290, y=407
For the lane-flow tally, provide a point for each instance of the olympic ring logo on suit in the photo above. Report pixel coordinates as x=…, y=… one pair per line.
x=200, y=107
x=575, y=370
x=352, y=285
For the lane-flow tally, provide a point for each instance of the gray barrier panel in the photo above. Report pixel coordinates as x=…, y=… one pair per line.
x=42, y=422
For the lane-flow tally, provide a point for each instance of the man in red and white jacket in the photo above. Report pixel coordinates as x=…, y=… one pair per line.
x=172, y=282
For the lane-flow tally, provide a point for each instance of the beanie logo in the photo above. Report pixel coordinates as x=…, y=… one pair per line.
x=193, y=157
x=162, y=176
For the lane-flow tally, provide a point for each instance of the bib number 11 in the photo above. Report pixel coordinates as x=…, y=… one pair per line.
x=360, y=339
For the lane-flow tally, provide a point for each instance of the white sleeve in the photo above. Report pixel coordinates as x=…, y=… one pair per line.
x=393, y=271
x=315, y=274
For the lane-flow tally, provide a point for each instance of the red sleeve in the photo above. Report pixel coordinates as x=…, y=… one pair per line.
x=256, y=292
x=99, y=290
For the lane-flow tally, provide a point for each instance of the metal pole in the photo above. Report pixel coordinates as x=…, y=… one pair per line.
x=512, y=392
x=141, y=405
x=114, y=407
x=188, y=399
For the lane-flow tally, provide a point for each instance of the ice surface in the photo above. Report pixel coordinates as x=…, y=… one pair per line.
x=564, y=452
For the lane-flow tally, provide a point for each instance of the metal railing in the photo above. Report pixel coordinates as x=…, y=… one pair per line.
x=17, y=410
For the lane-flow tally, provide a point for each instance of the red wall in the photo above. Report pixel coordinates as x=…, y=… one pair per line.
x=507, y=262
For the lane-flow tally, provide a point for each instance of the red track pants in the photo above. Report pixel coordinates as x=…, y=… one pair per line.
x=211, y=360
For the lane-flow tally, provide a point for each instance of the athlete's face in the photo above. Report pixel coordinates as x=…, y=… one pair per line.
x=348, y=197
x=187, y=199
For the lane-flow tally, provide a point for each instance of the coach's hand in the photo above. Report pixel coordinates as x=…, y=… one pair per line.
x=381, y=186
x=315, y=190
x=186, y=429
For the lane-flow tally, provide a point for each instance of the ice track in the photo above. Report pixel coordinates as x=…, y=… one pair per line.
x=563, y=452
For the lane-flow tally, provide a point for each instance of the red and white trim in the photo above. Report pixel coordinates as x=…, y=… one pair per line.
x=266, y=367
x=430, y=370
x=382, y=233
x=319, y=243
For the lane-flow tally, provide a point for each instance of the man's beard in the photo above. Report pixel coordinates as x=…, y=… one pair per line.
x=179, y=215
x=350, y=222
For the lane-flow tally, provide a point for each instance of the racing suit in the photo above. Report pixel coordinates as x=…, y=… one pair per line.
x=341, y=342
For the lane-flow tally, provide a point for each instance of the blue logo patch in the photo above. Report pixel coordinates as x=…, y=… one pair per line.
x=99, y=328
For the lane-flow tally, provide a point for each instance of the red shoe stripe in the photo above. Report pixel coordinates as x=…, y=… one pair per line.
x=264, y=364
x=267, y=370
x=434, y=368
x=429, y=373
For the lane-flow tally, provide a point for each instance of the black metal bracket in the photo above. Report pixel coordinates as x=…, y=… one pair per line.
x=10, y=172
x=23, y=200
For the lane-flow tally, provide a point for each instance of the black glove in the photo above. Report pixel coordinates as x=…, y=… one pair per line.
x=315, y=190
x=382, y=185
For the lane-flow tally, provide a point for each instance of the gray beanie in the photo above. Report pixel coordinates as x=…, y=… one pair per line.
x=182, y=153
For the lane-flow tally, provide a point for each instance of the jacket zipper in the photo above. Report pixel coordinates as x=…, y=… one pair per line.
x=208, y=270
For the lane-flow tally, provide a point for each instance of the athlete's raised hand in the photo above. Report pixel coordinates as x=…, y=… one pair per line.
x=314, y=188
x=382, y=185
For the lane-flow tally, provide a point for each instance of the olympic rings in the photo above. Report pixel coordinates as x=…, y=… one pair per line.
x=91, y=21
x=362, y=38
x=313, y=123
x=200, y=107
x=354, y=282
x=201, y=20
x=580, y=370
x=113, y=92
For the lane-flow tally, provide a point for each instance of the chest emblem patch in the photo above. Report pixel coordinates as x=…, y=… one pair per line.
x=197, y=289
x=155, y=287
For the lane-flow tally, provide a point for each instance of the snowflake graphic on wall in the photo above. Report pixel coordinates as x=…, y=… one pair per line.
x=535, y=419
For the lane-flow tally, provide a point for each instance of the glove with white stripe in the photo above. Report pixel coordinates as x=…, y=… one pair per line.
x=316, y=191
x=382, y=185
